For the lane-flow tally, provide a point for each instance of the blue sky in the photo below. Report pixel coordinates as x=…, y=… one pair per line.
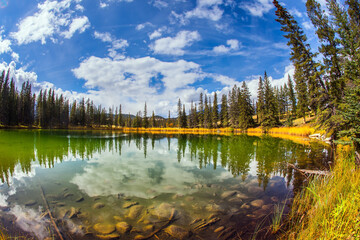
x=131, y=51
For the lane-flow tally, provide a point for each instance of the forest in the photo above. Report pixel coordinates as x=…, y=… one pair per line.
x=326, y=85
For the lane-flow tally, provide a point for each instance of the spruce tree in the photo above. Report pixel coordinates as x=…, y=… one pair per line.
x=201, y=111
x=271, y=113
x=246, y=110
x=179, y=120
x=145, y=119
x=260, y=102
x=215, y=112
x=224, y=111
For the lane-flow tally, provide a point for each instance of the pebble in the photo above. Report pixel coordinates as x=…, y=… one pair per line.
x=257, y=203
x=104, y=228
x=219, y=229
x=122, y=227
x=30, y=203
x=98, y=205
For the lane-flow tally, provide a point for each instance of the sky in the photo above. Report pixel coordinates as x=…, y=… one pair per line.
x=156, y=51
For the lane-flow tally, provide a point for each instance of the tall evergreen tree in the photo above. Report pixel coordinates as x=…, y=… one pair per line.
x=145, y=118
x=246, y=110
x=201, y=111
x=215, y=112
x=224, y=111
x=260, y=102
x=206, y=113
x=179, y=120
x=271, y=113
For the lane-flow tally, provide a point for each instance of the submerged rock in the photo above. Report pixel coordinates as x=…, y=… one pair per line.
x=274, y=199
x=79, y=199
x=129, y=204
x=135, y=212
x=255, y=190
x=122, y=227
x=228, y=194
x=118, y=218
x=164, y=210
x=257, y=203
x=104, y=228
x=109, y=236
x=148, y=228
x=214, y=208
x=177, y=232
x=98, y=205
x=66, y=195
x=30, y=203
x=73, y=212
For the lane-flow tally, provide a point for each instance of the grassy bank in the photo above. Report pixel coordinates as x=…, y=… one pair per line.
x=329, y=207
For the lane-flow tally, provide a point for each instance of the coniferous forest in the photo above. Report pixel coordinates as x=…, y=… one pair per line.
x=326, y=85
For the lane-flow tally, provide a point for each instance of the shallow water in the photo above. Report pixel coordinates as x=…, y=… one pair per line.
x=94, y=180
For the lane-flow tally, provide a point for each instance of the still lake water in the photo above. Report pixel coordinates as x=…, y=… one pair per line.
x=104, y=185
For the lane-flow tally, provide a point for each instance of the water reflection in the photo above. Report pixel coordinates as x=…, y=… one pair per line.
x=240, y=155
x=92, y=178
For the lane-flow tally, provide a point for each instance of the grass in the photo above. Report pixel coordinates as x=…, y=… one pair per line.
x=277, y=218
x=329, y=207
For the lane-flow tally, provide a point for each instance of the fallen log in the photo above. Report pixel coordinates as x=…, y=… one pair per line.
x=310, y=172
x=49, y=213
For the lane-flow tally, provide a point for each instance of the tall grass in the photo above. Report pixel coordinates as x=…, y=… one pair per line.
x=329, y=207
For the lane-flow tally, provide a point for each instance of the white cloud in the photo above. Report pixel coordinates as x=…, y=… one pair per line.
x=4, y=44
x=175, y=45
x=103, y=5
x=105, y=37
x=116, y=44
x=257, y=8
x=52, y=18
x=157, y=33
x=205, y=9
x=15, y=56
x=132, y=81
x=308, y=25
x=233, y=45
x=159, y=3
x=78, y=24
x=296, y=13
x=143, y=25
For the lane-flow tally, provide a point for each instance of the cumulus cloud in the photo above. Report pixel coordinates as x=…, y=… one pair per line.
x=175, y=45
x=253, y=81
x=257, y=8
x=78, y=24
x=53, y=19
x=141, y=26
x=4, y=44
x=157, y=33
x=205, y=9
x=116, y=44
x=232, y=45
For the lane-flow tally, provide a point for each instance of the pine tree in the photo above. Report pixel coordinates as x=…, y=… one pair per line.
x=215, y=113
x=292, y=96
x=271, y=113
x=145, y=119
x=234, y=106
x=153, y=120
x=224, y=111
x=179, y=114
x=245, y=108
x=309, y=85
x=201, y=111
x=206, y=113
x=120, y=119
x=183, y=118
x=260, y=102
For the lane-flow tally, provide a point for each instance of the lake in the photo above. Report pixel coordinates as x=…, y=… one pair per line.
x=108, y=185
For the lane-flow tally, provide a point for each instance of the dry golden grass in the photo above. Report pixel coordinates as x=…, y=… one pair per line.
x=329, y=208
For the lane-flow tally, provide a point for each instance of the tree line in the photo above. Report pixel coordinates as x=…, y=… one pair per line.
x=326, y=85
